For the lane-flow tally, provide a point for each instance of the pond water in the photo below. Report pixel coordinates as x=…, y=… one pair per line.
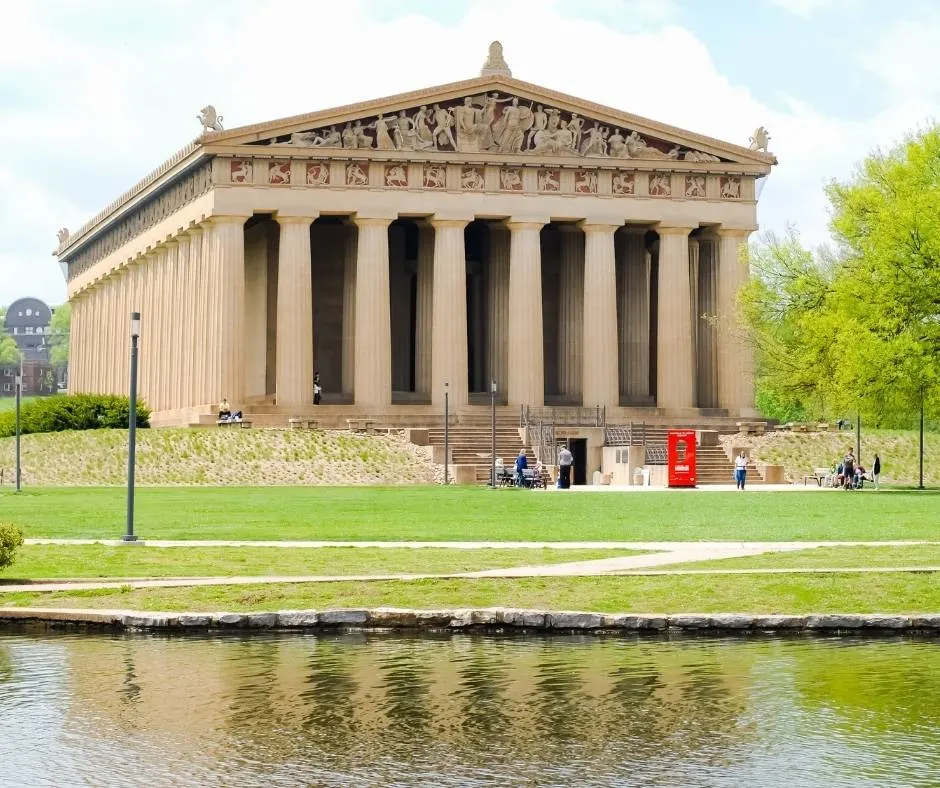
x=463, y=710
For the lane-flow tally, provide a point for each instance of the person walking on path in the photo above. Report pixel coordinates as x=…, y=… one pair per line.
x=876, y=471
x=565, y=461
x=740, y=470
x=521, y=464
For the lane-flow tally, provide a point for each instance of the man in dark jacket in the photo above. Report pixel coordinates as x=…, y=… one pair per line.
x=521, y=464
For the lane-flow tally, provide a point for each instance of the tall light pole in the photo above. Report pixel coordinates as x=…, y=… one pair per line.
x=132, y=430
x=493, y=434
x=19, y=391
x=446, y=433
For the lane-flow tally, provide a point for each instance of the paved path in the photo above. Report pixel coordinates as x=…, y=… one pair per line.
x=662, y=554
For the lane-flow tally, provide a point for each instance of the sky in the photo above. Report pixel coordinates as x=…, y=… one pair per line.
x=94, y=94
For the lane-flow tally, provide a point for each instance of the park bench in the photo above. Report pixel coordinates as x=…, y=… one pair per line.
x=297, y=423
x=819, y=475
x=360, y=425
x=751, y=427
x=244, y=423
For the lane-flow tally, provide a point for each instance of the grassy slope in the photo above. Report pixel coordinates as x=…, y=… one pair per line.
x=799, y=453
x=885, y=593
x=219, y=456
x=98, y=561
x=829, y=558
x=474, y=513
x=9, y=403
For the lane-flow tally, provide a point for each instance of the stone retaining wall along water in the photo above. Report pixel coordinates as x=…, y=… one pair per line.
x=489, y=619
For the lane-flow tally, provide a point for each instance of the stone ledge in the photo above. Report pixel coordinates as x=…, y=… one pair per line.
x=487, y=619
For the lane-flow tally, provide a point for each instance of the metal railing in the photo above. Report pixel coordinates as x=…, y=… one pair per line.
x=563, y=416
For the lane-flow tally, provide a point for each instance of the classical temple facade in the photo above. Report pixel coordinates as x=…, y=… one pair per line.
x=489, y=230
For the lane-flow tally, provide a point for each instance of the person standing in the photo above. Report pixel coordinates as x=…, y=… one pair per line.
x=521, y=464
x=565, y=461
x=740, y=470
x=876, y=471
x=317, y=390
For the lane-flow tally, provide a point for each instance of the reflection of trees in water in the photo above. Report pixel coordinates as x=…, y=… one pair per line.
x=329, y=699
x=558, y=681
x=405, y=669
x=481, y=688
x=6, y=665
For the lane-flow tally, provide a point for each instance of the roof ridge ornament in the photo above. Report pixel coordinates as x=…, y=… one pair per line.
x=495, y=65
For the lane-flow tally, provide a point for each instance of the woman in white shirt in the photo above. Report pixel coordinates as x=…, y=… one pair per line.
x=740, y=470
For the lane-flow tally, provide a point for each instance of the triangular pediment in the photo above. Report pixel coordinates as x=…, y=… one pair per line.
x=495, y=115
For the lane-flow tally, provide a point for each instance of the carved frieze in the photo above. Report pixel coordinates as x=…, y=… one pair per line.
x=240, y=171
x=357, y=174
x=660, y=184
x=623, y=183
x=146, y=215
x=492, y=122
x=396, y=176
x=729, y=187
x=318, y=173
x=585, y=181
x=694, y=185
x=471, y=179
x=549, y=180
x=434, y=176
x=279, y=173
x=510, y=179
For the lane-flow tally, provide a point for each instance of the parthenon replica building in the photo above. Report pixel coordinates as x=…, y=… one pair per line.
x=485, y=230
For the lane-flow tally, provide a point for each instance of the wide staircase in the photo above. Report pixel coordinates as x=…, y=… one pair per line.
x=470, y=442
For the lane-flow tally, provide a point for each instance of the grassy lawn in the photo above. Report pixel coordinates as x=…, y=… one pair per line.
x=97, y=561
x=473, y=513
x=847, y=593
x=9, y=403
x=828, y=557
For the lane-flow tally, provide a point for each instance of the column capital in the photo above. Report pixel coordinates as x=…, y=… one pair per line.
x=227, y=219
x=439, y=221
x=734, y=232
x=667, y=230
x=591, y=226
x=526, y=222
x=372, y=221
x=287, y=218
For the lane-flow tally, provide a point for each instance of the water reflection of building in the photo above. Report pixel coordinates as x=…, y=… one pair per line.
x=363, y=693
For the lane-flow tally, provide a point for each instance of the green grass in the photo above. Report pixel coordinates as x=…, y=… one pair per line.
x=9, y=403
x=98, y=561
x=848, y=593
x=828, y=558
x=474, y=513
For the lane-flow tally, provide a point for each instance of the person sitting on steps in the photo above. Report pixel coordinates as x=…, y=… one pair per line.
x=225, y=410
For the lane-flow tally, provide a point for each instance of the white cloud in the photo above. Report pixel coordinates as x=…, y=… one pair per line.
x=810, y=8
x=97, y=117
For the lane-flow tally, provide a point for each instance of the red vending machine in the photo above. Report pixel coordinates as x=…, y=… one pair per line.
x=680, y=457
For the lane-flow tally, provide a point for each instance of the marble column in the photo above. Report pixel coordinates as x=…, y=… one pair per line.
x=735, y=356
x=256, y=311
x=178, y=297
x=373, y=348
x=194, y=329
x=294, y=378
x=600, y=384
x=526, y=360
x=675, y=382
x=227, y=324
x=424, y=310
x=571, y=302
x=449, y=307
x=635, y=317
x=350, y=255
x=497, y=310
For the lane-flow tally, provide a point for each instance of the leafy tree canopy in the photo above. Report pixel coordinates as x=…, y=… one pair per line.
x=59, y=328
x=9, y=352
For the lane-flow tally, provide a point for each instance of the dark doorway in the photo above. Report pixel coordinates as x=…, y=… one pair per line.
x=578, y=449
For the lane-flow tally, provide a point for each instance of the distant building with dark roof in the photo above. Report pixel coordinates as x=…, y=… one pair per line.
x=27, y=321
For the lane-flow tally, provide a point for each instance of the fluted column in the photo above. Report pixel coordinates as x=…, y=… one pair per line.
x=497, y=311
x=227, y=323
x=735, y=356
x=635, y=319
x=600, y=384
x=424, y=310
x=449, y=307
x=294, y=378
x=76, y=346
x=149, y=326
x=675, y=383
x=179, y=296
x=373, y=344
x=194, y=332
x=571, y=313
x=350, y=254
x=526, y=353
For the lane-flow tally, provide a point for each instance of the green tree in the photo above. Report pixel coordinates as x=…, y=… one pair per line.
x=9, y=352
x=59, y=329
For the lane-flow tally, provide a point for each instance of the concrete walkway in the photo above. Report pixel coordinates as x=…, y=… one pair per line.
x=661, y=554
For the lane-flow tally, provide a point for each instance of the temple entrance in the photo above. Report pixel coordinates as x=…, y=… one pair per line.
x=410, y=249
x=578, y=449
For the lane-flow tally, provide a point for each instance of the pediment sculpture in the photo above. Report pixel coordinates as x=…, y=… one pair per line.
x=492, y=123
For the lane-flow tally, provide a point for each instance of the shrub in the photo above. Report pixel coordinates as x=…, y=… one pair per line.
x=73, y=412
x=11, y=538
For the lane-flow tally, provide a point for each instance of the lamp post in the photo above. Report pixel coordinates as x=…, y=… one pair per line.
x=18, y=384
x=493, y=434
x=446, y=434
x=132, y=430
